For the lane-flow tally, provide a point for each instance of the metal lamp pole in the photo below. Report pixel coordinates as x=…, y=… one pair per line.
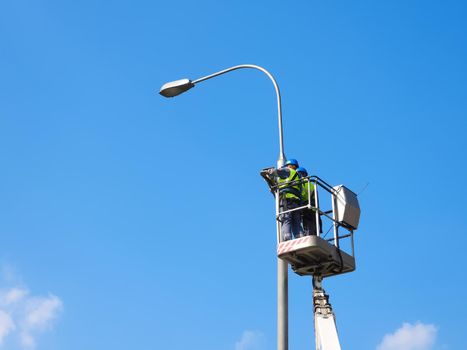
x=178, y=87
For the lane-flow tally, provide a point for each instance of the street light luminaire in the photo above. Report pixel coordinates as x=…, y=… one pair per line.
x=175, y=88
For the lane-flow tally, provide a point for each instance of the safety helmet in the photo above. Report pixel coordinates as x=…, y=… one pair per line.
x=291, y=162
x=302, y=170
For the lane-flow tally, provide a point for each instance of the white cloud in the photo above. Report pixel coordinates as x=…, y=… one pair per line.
x=40, y=312
x=6, y=325
x=12, y=296
x=250, y=340
x=418, y=336
x=24, y=316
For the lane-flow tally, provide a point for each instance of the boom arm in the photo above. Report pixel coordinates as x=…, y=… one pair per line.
x=325, y=320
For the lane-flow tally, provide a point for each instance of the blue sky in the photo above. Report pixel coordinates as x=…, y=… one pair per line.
x=133, y=221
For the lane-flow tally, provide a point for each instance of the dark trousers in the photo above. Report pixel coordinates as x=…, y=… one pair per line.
x=290, y=222
x=309, y=222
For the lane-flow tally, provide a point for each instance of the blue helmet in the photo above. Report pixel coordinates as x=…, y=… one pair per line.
x=291, y=162
x=302, y=170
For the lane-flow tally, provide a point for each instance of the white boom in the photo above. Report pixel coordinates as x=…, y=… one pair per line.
x=325, y=320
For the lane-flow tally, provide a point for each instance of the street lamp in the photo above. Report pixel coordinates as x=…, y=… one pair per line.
x=175, y=88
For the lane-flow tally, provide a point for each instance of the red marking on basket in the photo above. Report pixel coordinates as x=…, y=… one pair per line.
x=286, y=246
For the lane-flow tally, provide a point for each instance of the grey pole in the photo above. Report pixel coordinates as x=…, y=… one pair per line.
x=175, y=88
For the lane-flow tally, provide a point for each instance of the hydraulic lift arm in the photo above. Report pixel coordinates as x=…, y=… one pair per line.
x=325, y=320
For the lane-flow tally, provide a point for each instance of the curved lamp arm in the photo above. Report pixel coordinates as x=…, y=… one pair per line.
x=178, y=87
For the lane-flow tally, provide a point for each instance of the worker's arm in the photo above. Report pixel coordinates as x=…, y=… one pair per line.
x=270, y=175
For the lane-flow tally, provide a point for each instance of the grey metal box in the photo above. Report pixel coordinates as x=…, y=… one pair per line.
x=347, y=207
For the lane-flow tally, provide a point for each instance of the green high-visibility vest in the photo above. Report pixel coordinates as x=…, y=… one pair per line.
x=290, y=191
x=304, y=194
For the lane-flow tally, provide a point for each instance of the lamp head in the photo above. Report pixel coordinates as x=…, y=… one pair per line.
x=175, y=88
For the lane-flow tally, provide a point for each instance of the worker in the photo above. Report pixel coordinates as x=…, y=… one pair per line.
x=290, y=190
x=308, y=215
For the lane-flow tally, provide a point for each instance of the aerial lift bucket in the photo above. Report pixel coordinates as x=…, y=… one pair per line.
x=314, y=255
x=317, y=256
